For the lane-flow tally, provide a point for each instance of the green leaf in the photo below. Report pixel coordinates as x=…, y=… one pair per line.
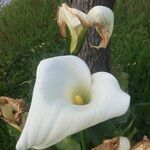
x=123, y=80
x=141, y=116
x=142, y=107
x=68, y=144
x=100, y=132
x=122, y=119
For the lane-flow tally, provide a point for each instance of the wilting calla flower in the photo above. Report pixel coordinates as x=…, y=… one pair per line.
x=99, y=17
x=11, y=111
x=77, y=31
x=119, y=143
x=67, y=99
x=142, y=145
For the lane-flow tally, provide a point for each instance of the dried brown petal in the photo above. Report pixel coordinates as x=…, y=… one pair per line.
x=142, y=145
x=118, y=143
x=61, y=23
x=11, y=110
x=99, y=17
x=78, y=33
x=109, y=144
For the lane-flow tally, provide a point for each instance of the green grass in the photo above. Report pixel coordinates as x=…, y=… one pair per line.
x=131, y=45
x=130, y=50
x=28, y=34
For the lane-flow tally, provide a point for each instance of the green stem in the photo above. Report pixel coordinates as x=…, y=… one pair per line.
x=83, y=142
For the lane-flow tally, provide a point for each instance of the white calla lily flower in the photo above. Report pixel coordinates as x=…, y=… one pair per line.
x=67, y=99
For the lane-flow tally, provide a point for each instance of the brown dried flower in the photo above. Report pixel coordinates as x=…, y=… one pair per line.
x=142, y=145
x=118, y=143
x=11, y=111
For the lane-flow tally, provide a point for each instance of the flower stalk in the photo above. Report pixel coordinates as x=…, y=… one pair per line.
x=83, y=141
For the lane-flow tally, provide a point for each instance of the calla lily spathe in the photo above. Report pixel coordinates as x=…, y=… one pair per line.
x=77, y=31
x=53, y=114
x=99, y=17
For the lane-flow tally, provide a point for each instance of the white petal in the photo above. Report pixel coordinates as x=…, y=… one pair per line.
x=107, y=101
x=65, y=17
x=108, y=96
x=102, y=19
x=73, y=20
x=104, y=16
x=84, y=19
x=58, y=79
x=124, y=144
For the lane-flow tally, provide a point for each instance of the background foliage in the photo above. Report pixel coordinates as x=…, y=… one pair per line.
x=130, y=46
x=28, y=34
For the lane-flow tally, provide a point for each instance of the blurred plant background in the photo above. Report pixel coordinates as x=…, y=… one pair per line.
x=28, y=34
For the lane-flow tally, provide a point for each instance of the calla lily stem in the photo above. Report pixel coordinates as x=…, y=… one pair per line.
x=83, y=142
